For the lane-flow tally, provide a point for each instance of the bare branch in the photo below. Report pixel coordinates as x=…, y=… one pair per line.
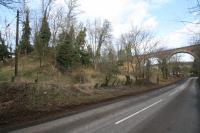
x=8, y=3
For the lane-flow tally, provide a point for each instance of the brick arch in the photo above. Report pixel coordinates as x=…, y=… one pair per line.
x=167, y=54
x=181, y=51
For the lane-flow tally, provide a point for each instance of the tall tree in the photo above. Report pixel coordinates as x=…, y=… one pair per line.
x=42, y=38
x=99, y=35
x=65, y=52
x=104, y=37
x=82, y=53
x=44, y=34
x=25, y=45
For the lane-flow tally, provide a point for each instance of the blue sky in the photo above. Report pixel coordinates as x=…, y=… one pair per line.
x=169, y=16
x=160, y=16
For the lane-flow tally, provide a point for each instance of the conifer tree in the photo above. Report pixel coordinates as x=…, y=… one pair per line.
x=71, y=49
x=65, y=52
x=44, y=34
x=81, y=54
x=25, y=45
x=42, y=38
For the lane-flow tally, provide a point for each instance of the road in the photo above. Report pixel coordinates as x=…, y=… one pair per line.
x=172, y=109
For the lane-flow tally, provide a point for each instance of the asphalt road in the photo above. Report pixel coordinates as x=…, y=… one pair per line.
x=173, y=109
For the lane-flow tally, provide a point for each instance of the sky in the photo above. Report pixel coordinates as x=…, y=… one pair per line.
x=162, y=17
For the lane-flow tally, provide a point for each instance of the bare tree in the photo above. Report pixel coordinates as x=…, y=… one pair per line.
x=92, y=30
x=99, y=35
x=8, y=35
x=72, y=13
x=8, y=3
x=138, y=44
x=46, y=7
x=57, y=19
x=104, y=36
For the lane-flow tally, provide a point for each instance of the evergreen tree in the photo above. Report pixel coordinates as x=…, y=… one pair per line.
x=65, y=52
x=42, y=38
x=44, y=34
x=82, y=54
x=85, y=57
x=4, y=53
x=80, y=40
x=25, y=45
x=71, y=49
x=72, y=40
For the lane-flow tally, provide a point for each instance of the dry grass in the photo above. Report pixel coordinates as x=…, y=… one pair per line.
x=29, y=70
x=22, y=102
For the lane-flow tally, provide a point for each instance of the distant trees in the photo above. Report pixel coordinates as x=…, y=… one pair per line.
x=175, y=65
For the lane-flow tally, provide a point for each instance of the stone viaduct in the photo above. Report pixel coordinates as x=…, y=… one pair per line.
x=169, y=53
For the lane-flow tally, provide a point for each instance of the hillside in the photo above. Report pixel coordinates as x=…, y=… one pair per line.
x=29, y=70
x=56, y=92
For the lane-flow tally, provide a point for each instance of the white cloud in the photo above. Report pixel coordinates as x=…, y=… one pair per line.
x=181, y=37
x=121, y=13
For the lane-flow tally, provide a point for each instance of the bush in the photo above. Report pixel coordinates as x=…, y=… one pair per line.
x=111, y=70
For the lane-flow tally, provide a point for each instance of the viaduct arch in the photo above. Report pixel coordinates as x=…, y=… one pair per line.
x=167, y=54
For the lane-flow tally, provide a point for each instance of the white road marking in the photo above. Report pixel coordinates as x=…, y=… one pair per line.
x=118, y=122
x=171, y=94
